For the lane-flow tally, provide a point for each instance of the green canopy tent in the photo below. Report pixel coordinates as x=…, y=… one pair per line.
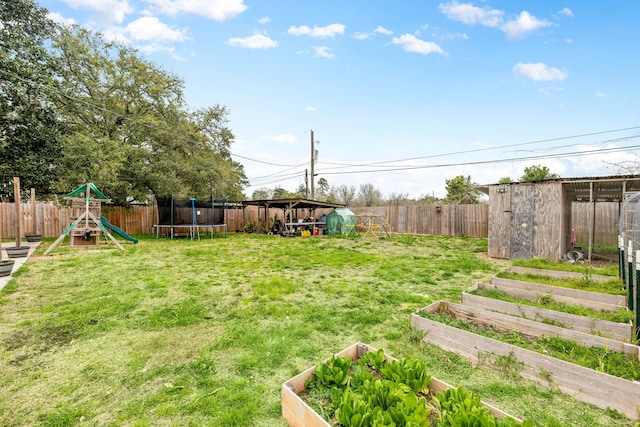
x=341, y=220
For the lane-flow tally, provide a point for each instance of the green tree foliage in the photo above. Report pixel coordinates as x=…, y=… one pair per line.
x=261, y=194
x=537, y=173
x=460, y=190
x=130, y=129
x=505, y=180
x=322, y=189
x=281, y=193
x=29, y=127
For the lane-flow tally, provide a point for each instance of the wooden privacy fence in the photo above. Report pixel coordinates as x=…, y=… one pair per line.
x=437, y=220
x=50, y=220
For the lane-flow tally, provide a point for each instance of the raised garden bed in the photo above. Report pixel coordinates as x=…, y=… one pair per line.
x=587, y=385
x=556, y=274
x=533, y=291
x=299, y=414
x=534, y=329
x=605, y=328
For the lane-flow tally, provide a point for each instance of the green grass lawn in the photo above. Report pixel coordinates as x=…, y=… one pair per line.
x=203, y=333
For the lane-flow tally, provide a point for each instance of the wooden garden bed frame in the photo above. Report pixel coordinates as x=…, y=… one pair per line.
x=506, y=323
x=556, y=274
x=532, y=291
x=587, y=385
x=605, y=328
x=299, y=414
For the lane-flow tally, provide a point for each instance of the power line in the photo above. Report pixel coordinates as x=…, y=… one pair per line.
x=482, y=162
x=477, y=150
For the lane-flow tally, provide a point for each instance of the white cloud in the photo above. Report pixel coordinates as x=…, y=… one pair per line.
x=155, y=48
x=523, y=25
x=150, y=28
x=218, y=10
x=454, y=36
x=256, y=41
x=539, y=72
x=321, y=32
x=56, y=17
x=362, y=36
x=469, y=14
x=264, y=20
x=106, y=11
x=566, y=12
x=381, y=30
x=311, y=109
x=323, y=52
x=411, y=43
x=601, y=94
x=283, y=138
x=597, y=163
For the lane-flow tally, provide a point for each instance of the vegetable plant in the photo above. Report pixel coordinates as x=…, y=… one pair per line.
x=374, y=392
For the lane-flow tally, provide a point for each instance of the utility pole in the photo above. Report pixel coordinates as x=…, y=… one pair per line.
x=306, y=183
x=313, y=160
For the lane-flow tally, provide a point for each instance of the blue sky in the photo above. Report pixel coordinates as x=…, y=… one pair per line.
x=400, y=94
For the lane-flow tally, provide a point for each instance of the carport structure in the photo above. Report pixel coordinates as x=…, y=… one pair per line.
x=293, y=209
x=533, y=220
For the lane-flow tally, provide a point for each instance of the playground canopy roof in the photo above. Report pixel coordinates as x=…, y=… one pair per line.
x=82, y=191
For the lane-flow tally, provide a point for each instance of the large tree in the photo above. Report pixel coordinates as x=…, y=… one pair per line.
x=461, y=190
x=344, y=194
x=29, y=127
x=131, y=131
x=369, y=195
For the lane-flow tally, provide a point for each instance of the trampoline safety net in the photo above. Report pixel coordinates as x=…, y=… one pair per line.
x=187, y=211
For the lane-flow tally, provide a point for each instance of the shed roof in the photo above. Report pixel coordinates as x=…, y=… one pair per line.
x=605, y=188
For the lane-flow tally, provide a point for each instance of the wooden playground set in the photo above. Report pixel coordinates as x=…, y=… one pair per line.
x=88, y=225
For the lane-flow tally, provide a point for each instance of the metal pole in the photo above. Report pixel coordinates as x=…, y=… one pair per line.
x=635, y=297
x=631, y=274
x=621, y=269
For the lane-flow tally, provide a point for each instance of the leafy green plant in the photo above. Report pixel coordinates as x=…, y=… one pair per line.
x=397, y=395
x=373, y=359
x=461, y=407
x=333, y=373
x=412, y=372
x=353, y=410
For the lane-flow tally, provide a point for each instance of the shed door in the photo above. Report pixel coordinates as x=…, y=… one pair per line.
x=500, y=222
x=522, y=221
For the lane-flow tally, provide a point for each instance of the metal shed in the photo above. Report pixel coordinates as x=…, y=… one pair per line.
x=533, y=220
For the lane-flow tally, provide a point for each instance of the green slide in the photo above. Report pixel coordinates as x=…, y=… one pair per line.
x=117, y=230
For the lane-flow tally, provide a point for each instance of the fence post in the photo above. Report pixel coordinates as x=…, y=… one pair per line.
x=631, y=275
